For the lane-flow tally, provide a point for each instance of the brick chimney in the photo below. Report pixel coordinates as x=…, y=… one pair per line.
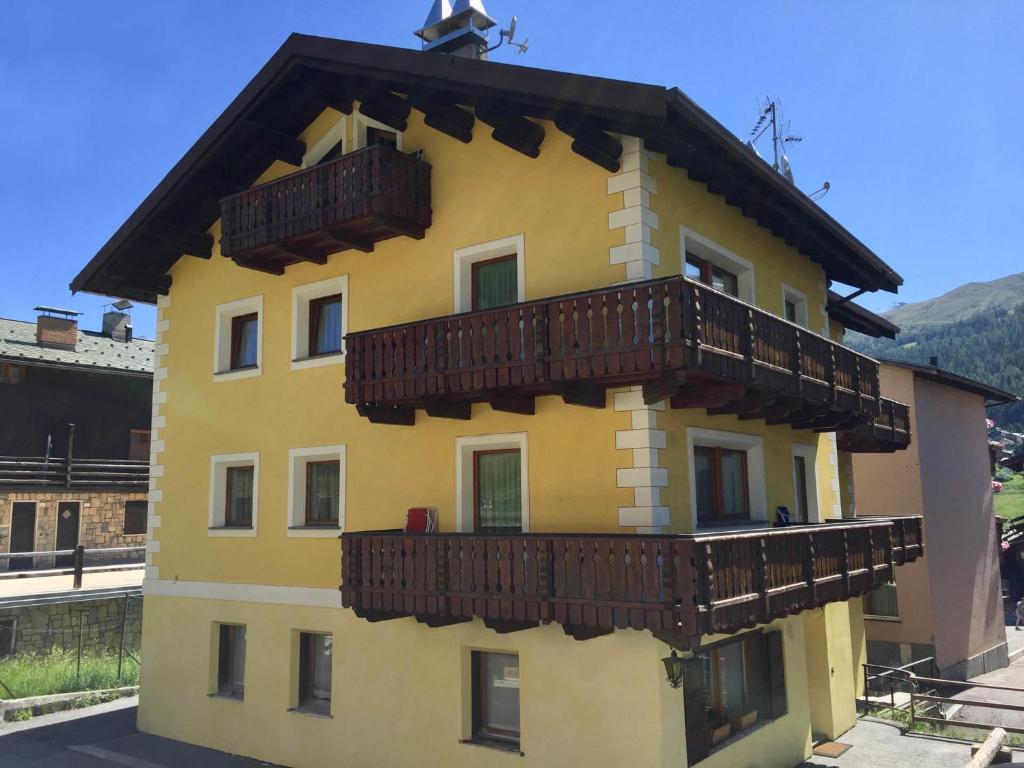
x=57, y=328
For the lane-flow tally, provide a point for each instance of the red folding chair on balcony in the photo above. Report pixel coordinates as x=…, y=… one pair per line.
x=421, y=520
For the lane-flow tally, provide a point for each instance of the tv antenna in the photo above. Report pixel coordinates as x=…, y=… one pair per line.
x=772, y=118
x=508, y=36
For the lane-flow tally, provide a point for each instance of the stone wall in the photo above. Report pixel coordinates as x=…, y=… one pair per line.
x=38, y=629
x=101, y=519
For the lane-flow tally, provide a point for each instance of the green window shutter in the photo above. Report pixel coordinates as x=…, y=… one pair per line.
x=495, y=283
x=698, y=742
x=776, y=673
x=499, y=491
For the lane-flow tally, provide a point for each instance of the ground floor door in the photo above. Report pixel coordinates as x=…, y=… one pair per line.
x=67, y=531
x=23, y=533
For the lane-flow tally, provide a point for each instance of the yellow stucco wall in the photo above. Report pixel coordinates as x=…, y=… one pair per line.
x=396, y=685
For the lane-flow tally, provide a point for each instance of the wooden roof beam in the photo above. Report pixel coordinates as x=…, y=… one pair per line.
x=189, y=241
x=387, y=108
x=592, y=142
x=284, y=147
x=512, y=129
x=444, y=115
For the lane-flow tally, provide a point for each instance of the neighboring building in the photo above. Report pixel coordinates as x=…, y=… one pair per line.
x=366, y=186
x=947, y=605
x=74, y=437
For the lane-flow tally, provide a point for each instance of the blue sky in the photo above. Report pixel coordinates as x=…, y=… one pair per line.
x=911, y=110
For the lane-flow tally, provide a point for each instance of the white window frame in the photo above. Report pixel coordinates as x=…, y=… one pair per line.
x=337, y=132
x=298, y=458
x=219, y=464
x=302, y=295
x=810, y=457
x=222, y=338
x=698, y=245
x=799, y=299
x=465, y=447
x=361, y=122
x=463, y=260
x=757, y=485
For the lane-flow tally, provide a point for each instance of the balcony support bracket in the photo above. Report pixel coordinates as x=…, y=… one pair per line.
x=581, y=394
x=666, y=387
x=400, y=415
x=587, y=633
x=506, y=626
x=511, y=402
x=446, y=409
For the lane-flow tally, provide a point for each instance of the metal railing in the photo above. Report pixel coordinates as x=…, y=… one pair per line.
x=35, y=471
x=78, y=561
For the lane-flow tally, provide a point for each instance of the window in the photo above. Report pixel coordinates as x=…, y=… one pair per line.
x=243, y=341
x=490, y=274
x=720, y=476
x=239, y=339
x=496, y=698
x=315, y=651
x=730, y=687
x=498, y=496
x=322, y=489
x=883, y=602
x=316, y=491
x=379, y=137
x=238, y=504
x=711, y=264
x=135, y=513
x=231, y=661
x=800, y=483
x=8, y=633
x=319, y=323
x=138, y=444
x=325, y=325
x=728, y=483
x=494, y=282
x=717, y=277
x=234, y=494
x=794, y=306
x=367, y=132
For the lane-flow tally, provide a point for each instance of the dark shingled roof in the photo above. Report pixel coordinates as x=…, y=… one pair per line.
x=939, y=376
x=93, y=350
x=309, y=73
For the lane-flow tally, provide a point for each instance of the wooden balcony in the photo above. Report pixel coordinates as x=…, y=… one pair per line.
x=888, y=432
x=678, y=338
x=32, y=472
x=679, y=587
x=352, y=202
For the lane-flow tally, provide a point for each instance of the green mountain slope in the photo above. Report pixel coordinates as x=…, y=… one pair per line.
x=961, y=303
x=976, y=330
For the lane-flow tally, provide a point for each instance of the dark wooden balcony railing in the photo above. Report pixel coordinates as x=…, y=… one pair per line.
x=677, y=337
x=351, y=202
x=889, y=431
x=680, y=587
x=56, y=472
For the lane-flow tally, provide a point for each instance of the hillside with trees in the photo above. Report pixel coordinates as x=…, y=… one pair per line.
x=976, y=330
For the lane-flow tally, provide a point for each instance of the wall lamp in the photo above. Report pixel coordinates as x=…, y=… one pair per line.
x=674, y=669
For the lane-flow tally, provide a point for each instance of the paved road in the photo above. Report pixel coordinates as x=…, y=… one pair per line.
x=1012, y=677
x=103, y=736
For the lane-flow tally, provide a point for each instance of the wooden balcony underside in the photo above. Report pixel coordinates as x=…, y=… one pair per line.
x=351, y=202
x=679, y=587
x=679, y=339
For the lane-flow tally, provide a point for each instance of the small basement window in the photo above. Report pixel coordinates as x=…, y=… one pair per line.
x=8, y=634
x=496, y=698
x=231, y=661
x=315, y=654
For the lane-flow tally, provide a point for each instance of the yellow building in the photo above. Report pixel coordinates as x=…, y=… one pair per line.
x=590, y=480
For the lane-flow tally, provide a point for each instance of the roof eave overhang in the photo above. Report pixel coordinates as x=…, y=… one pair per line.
x=662, y=117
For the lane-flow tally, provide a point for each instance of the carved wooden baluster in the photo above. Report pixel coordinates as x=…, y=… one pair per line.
x=798, y=360
x=697, y=326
